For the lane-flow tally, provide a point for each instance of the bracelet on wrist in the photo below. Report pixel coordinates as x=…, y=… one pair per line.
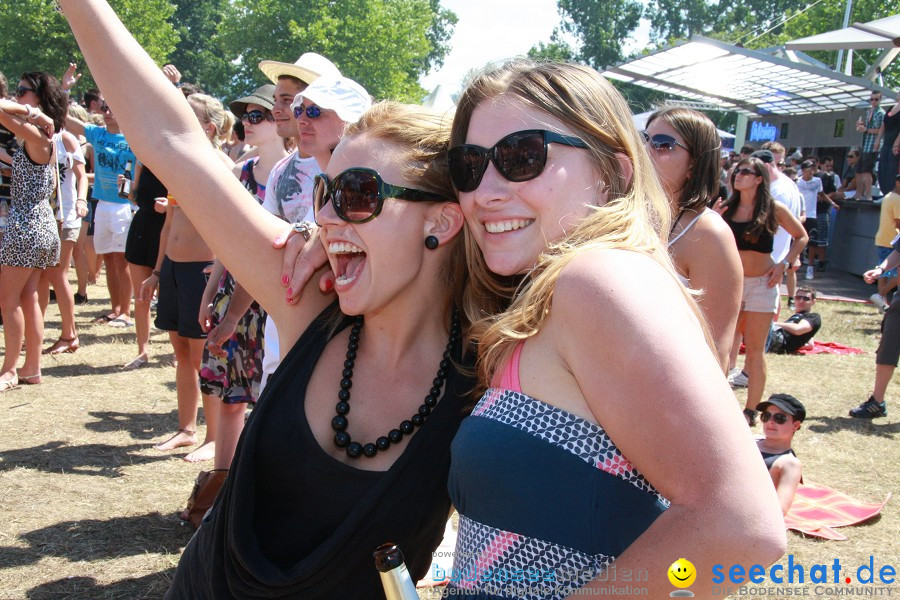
x=157, y=273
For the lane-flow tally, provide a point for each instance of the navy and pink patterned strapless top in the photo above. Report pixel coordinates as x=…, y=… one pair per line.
x=546, y=500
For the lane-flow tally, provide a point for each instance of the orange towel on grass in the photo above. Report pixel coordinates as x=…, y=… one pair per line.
x=817, y=509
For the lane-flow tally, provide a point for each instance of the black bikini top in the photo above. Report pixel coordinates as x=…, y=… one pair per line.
x=764, y=243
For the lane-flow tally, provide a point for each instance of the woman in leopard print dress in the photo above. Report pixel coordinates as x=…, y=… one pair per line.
x=31, y=242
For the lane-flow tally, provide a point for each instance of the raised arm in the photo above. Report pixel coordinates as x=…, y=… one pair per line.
x=163, y=130
x=15, y=117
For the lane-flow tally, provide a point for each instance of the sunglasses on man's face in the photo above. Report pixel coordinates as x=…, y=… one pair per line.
x=520, y=156
x=852, y=156
x=312, y=111
x=357, y=195
x=779, y=418
x=802, y=297
x=22, y=90
x=255, y=117
x=105, y=108
x=662, y=142
x=746, y=172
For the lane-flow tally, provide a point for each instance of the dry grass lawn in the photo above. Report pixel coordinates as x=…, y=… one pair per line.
x=88, y=508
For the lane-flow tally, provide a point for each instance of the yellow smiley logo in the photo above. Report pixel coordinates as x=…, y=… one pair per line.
x=682, y=573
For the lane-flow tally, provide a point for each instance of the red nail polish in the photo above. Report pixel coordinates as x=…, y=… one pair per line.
x=329, y=285
x=290, y=292
x=285, y=280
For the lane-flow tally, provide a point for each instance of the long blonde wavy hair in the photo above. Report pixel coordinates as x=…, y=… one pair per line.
x=636, y=215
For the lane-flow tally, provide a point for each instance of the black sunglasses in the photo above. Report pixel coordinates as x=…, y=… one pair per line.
x=745, y=171
x=358, y=194
x=22, y=90
x=312, y=111
x=663, y=142
x=853, y=156
x=520, y=156
x=104, y=108
x=779, y=418
x=255, y=117
x=802, y=297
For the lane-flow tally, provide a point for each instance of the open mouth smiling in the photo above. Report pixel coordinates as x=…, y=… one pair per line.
x=349, y=261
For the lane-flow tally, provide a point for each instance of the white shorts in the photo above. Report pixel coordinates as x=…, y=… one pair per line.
x=111, y=223
x=758, y=296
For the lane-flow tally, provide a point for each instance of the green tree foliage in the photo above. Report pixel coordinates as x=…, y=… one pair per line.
x=829, y=15
x=199, y=55
x=600, y=27
x=384, y=44
x=35, y=37
x=558, y=49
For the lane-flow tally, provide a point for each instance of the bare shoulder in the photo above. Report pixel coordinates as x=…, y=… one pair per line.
x=788, y=463
x=712, y=235
x=611, y=273
x=600, y=283
x=70, y=141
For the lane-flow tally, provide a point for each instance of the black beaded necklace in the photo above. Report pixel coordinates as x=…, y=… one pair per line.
x=340, y=423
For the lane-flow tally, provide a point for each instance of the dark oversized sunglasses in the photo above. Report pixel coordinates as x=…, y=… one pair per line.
x=255, y=117
x=802, y=297
x=104, y=108
x=779, y=418
x=22, y=90
x=520, y=156
x=746, y=171
x=358, y=194
x=662, y=142
x=312, y=111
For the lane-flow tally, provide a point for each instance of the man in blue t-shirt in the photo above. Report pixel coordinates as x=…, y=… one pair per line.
x=112, y=217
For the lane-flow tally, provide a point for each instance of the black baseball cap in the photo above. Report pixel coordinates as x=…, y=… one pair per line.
x=764, y=155
x=787, y=403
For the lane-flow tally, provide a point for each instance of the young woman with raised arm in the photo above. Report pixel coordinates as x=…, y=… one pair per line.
x=342, y=453
x=31, y=243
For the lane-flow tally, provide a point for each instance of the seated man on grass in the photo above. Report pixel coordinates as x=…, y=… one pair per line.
x=781, y=416
x=789, y=336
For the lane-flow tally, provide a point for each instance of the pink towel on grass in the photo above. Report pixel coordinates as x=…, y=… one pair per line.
x=817, y=509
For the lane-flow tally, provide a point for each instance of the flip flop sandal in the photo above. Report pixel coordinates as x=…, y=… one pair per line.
x=9, y=384
x=135, y=364
x=104, y=318
x=31, y=379
x=119, y=323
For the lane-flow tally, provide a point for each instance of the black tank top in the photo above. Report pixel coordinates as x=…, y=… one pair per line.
x=148, y=189
x=292, y=522
x=770, y=457
x=763, y=244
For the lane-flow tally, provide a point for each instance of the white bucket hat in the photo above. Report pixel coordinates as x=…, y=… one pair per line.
x=307, y=69
x=340, y=94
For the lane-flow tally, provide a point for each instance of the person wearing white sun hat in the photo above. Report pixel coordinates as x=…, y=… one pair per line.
x=290, y=183
x=322, y=111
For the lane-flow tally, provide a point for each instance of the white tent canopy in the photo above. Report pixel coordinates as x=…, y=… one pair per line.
x=878, y=34
x=746, y=81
